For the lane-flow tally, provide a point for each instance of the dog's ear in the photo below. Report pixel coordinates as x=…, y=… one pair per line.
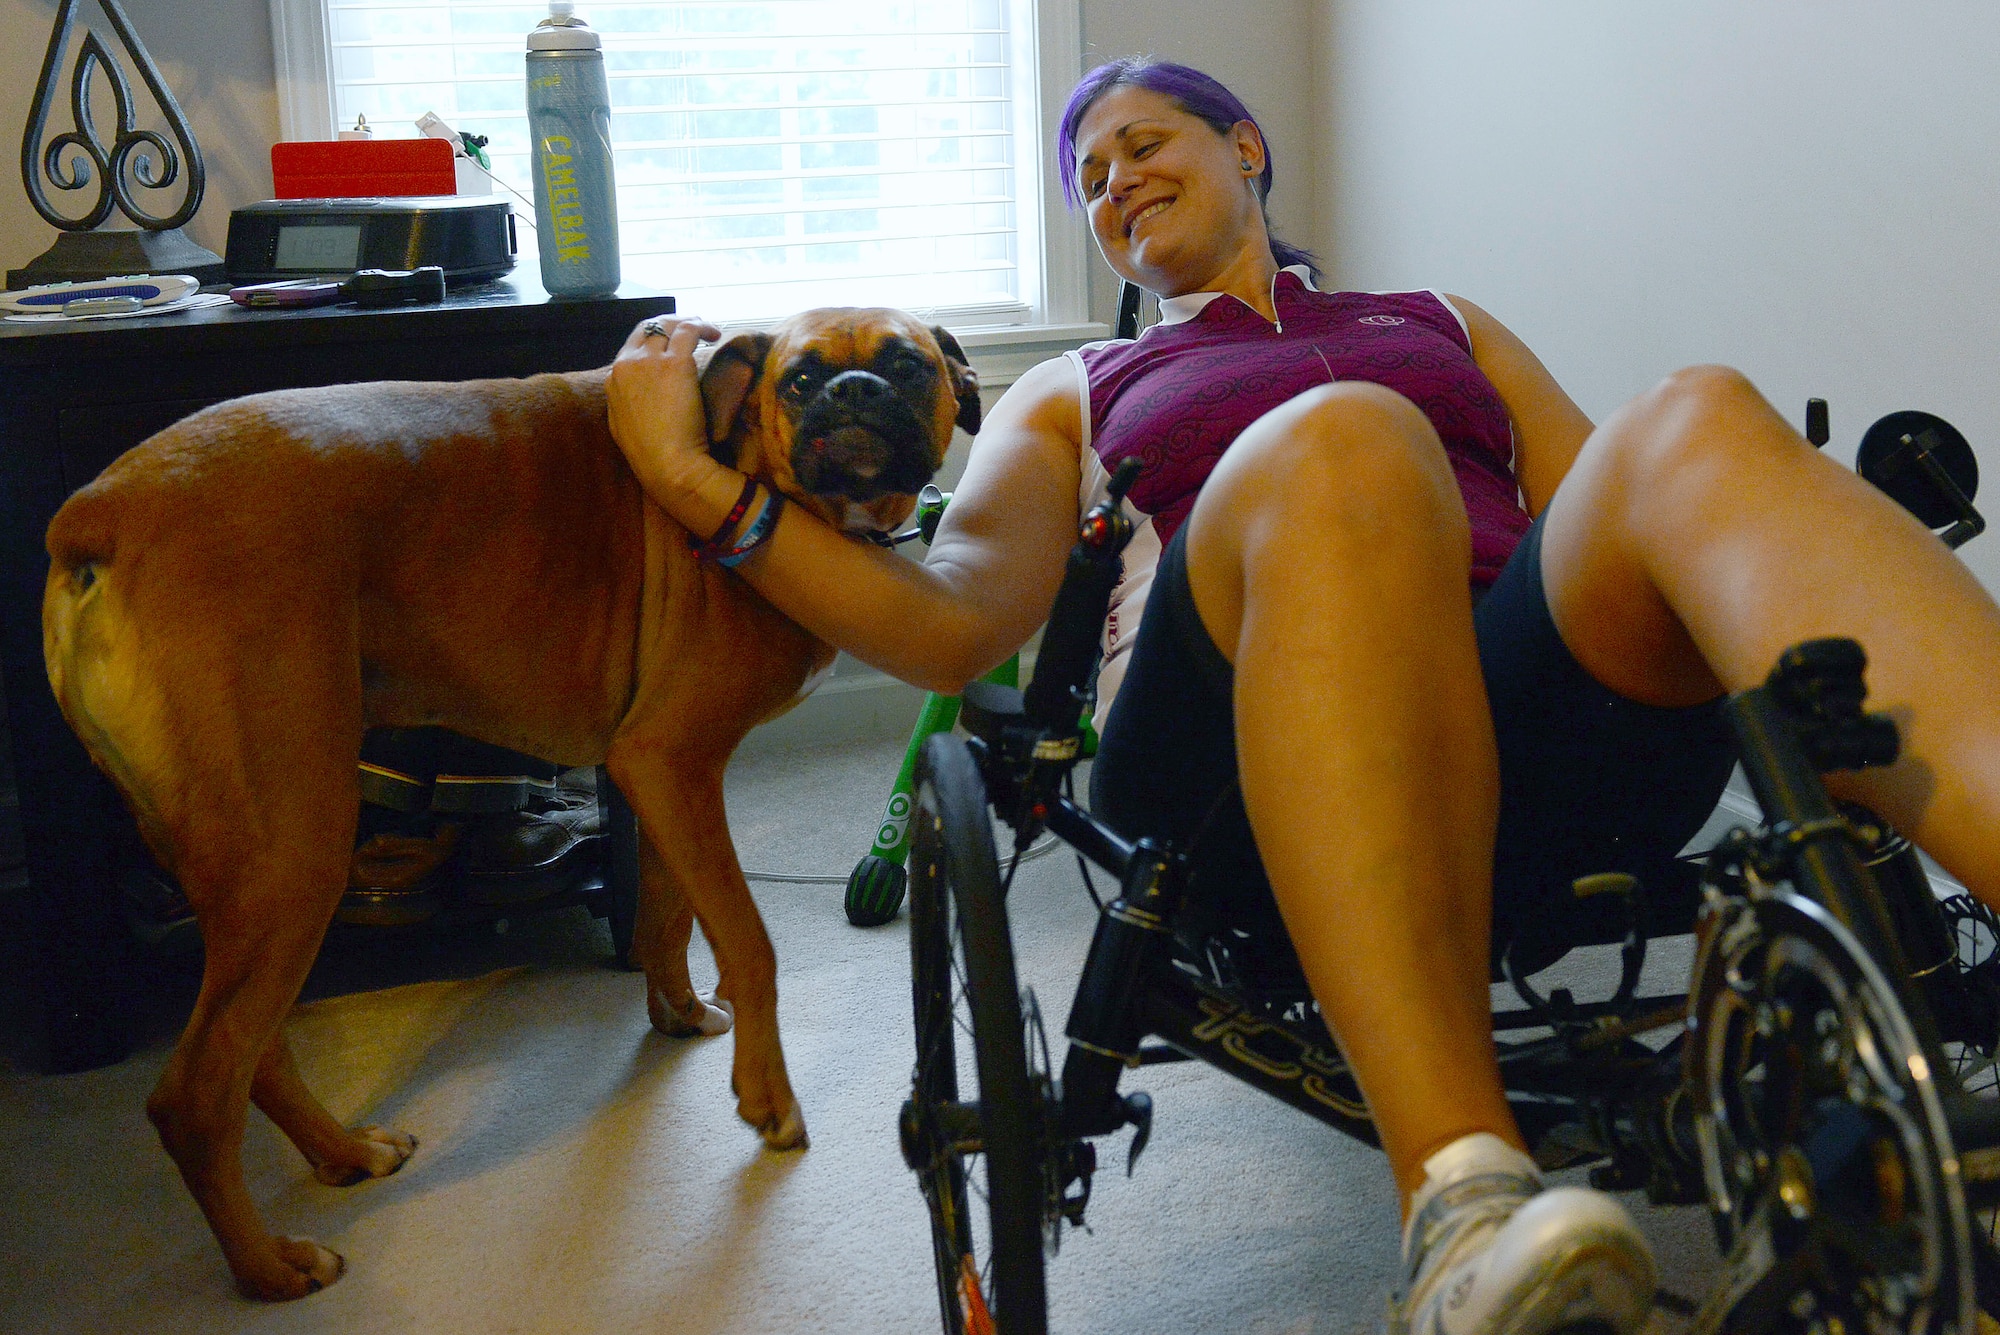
x=731, y=372
x=964, y=380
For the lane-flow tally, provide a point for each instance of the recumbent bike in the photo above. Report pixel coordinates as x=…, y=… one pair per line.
x=1826, y=1083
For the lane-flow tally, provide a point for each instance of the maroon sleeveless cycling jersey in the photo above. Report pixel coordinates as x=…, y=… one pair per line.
x=1180, y=394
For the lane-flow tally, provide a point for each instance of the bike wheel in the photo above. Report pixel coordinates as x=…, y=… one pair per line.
x=988, y=1147
x=1968, y=1005
x=1966, y=1001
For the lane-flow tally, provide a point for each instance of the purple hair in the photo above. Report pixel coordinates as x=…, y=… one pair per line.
x=1198, y=94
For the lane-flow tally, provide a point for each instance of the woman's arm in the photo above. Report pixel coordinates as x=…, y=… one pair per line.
x=1549, y=428
x=993, y=569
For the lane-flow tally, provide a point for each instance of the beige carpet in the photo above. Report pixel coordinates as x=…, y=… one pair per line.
x=581, y=1173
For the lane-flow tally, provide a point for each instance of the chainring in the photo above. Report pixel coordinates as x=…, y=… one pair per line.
x=1829, y=1166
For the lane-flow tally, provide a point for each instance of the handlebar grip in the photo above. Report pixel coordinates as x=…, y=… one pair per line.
x=1076, y=622
x=1070, y=641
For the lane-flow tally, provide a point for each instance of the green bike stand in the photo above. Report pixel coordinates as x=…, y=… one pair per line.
x=876, y=885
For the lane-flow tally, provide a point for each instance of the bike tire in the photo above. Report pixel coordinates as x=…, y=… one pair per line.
x=990, y=1281
x=1974, y=933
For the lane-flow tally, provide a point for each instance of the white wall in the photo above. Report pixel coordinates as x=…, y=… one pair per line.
x=1807, y=190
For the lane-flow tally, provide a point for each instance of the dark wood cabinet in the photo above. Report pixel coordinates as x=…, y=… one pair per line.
x=74, y=397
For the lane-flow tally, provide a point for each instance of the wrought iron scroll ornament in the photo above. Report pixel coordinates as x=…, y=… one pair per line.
x=130, y=159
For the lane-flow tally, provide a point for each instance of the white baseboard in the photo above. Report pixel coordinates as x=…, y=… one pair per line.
x=864, y=708
x=857, y=705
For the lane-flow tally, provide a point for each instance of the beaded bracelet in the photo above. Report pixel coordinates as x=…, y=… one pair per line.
x=758, y=532
x=719, y=544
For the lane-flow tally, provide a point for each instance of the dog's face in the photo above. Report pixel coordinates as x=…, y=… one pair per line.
x=847, y=411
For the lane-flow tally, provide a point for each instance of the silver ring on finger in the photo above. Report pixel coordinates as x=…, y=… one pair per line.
x=654, y=329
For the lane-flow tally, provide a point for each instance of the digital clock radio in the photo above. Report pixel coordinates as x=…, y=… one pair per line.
x=470, y=237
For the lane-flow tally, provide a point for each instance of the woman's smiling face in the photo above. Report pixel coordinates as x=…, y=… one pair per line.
x=1169, y=200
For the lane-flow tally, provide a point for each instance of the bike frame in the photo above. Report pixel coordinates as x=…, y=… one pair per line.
x=1141, y=999
x=1857, y=940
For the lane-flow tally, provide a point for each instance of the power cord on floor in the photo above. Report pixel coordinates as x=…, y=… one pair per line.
x=1041, y=849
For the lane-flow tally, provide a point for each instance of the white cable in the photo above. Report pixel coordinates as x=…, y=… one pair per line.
x=1046, y=846
x=790, y=879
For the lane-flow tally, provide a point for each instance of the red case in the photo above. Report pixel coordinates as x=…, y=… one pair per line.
x=362, y=169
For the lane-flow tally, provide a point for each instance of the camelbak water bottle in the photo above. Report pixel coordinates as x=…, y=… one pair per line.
x=569, y=132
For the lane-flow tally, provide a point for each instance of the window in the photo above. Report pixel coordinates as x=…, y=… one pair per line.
x=770, y=154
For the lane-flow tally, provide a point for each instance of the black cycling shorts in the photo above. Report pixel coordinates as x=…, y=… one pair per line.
x=1589, y=781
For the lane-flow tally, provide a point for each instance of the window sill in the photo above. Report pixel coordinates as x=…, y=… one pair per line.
x=1002, y=354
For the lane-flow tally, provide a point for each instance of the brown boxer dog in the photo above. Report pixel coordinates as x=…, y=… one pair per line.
x=235, y=600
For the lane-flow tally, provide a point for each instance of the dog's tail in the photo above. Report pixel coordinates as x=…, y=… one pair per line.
x=82, y=541
x=84, y=533
x=91, y=649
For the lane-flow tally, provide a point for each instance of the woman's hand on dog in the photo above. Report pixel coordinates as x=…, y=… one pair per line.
x=658, y=420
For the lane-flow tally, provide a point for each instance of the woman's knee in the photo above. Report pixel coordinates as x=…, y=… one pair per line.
x=1703, y=394
x=1698, y=414
x=1700, y=433
x=1346, y=487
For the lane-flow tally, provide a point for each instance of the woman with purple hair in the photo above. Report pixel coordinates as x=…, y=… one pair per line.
x=1402, y=634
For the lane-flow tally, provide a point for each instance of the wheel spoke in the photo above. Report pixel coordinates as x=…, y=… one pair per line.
x=972, y=1180
x=961, y=1010
x=1975, y=1059
x=1970, y=1066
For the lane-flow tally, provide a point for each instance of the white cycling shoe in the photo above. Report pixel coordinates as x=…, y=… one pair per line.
x=1490, y=1251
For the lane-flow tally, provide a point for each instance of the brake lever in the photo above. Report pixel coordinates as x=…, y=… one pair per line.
x=1107, y=526
x=1070, y=639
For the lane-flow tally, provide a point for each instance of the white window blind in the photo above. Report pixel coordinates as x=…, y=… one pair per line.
x=770, y=154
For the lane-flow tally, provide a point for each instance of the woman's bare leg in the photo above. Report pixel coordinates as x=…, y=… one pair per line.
x=1328, y=557
x=1698, y=536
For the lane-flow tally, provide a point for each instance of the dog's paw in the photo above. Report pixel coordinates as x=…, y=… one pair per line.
x=787, y=1132
x=372, y=1152
x=719, y=1015
x=296, y=1267
x=706, y=1016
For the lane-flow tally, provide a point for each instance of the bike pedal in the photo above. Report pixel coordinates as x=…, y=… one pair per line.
x=1618, y=1176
